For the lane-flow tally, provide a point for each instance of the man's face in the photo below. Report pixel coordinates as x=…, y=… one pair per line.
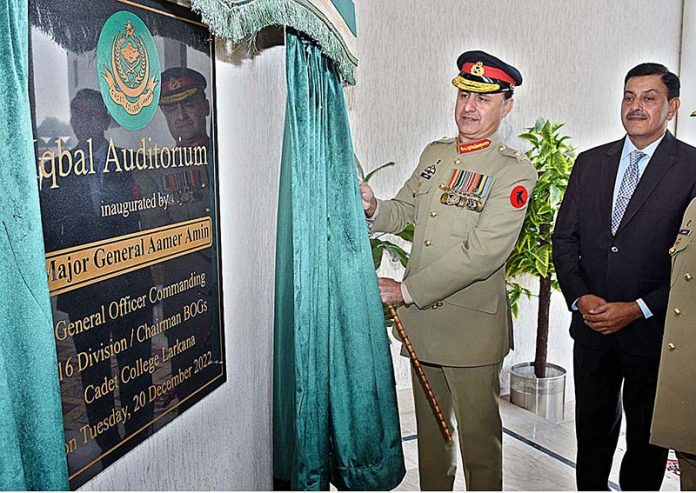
x=186, y=119
x=479, y=115
x=89, y=119
x=645, y=109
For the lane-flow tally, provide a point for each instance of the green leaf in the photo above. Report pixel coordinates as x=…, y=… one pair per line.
x=379, y=168
x=407, y=233
x=556, y=196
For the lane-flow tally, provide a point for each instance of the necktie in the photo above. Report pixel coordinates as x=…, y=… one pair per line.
x=626, y=189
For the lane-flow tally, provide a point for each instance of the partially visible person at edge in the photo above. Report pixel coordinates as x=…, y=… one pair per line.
x=674, y=416
x=619, y=217
x=467, y=198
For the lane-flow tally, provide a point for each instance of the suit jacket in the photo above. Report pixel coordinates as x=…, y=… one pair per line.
x=635, y=262
x=673, y=424
x=456, y=271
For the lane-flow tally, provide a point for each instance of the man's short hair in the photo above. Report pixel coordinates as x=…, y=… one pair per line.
x=86, y=94
x=668, y=78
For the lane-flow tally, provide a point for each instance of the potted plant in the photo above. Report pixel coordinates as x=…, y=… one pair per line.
x=540, y=386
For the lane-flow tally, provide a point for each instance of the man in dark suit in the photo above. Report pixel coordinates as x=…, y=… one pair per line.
x=72, y=217
x=619, y=217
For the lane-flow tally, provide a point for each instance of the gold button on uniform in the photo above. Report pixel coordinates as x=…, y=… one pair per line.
x=433, y=214
x=428, y=243
x=413, y=193
x=457, y=161
x=677, y=312
x=672, y=250
x=688, y=276
x=501, y=148
x=671, y=346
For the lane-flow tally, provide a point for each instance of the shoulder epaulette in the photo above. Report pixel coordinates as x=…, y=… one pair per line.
x=510, y=152
x=445, y=140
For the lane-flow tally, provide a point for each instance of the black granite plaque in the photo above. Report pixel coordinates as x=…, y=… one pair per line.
x=123, y=103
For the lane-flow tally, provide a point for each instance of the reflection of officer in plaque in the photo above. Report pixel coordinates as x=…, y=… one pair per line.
x=185, y=106
x=73, y=218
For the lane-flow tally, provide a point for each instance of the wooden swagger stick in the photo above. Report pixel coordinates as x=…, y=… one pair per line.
x=446, y=433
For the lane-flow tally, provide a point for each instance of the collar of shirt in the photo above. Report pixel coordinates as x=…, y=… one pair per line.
x=629, y=147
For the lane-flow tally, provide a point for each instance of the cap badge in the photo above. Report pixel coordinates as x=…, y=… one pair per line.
x=478, y=69
x=174, y=83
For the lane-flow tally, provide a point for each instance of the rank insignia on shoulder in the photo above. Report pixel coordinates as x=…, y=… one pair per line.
x=428, y=172
x=473, y=146
x=685, y=232
x=519, y=197
x=466, y=189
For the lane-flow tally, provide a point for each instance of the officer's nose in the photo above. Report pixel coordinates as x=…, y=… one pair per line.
x=470, y=104
x=636, y=105
x=179, y=112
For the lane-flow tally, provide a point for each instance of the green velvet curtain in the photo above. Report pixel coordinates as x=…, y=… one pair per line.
x=32, y=454
x=335, y=412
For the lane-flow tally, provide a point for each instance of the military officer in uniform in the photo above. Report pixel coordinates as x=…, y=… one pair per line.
x=467, y=199
x=674, y=416
x=186, y=108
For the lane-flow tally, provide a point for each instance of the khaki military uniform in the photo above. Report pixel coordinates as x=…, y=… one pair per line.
x=190, y=196
x=459, y=323
x=674, y=417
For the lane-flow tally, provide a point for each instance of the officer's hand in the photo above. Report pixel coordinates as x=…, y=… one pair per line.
x=612, y=317
x=368, y=199
x=589, y=302
x=390, y=291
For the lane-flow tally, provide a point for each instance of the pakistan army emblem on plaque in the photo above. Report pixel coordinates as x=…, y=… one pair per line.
x=128, y=70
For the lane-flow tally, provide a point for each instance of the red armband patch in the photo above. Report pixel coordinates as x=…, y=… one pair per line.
x=519, y=196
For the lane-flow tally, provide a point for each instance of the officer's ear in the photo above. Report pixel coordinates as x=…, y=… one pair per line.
x=673, y=107
x=507, y=106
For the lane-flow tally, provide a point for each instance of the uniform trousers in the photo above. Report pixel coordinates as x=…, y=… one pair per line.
x=468, y=397
x=599, y=375
x=687, y=469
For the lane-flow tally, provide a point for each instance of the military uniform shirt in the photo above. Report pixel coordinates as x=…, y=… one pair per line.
x=468, y=208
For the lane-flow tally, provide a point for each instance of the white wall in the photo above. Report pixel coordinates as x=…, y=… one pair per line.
x=224, y=442
x=573, y=56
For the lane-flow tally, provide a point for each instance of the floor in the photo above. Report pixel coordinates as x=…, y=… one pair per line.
x=537, y=455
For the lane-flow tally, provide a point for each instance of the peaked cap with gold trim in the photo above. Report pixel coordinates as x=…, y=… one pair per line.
x=484, y=73
x=179, y=84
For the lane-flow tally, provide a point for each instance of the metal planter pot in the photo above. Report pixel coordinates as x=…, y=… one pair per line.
x=544, y=397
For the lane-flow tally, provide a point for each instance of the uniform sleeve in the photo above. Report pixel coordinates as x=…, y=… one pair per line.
x=486, y=248
x=566, y=241
x=395, y=214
